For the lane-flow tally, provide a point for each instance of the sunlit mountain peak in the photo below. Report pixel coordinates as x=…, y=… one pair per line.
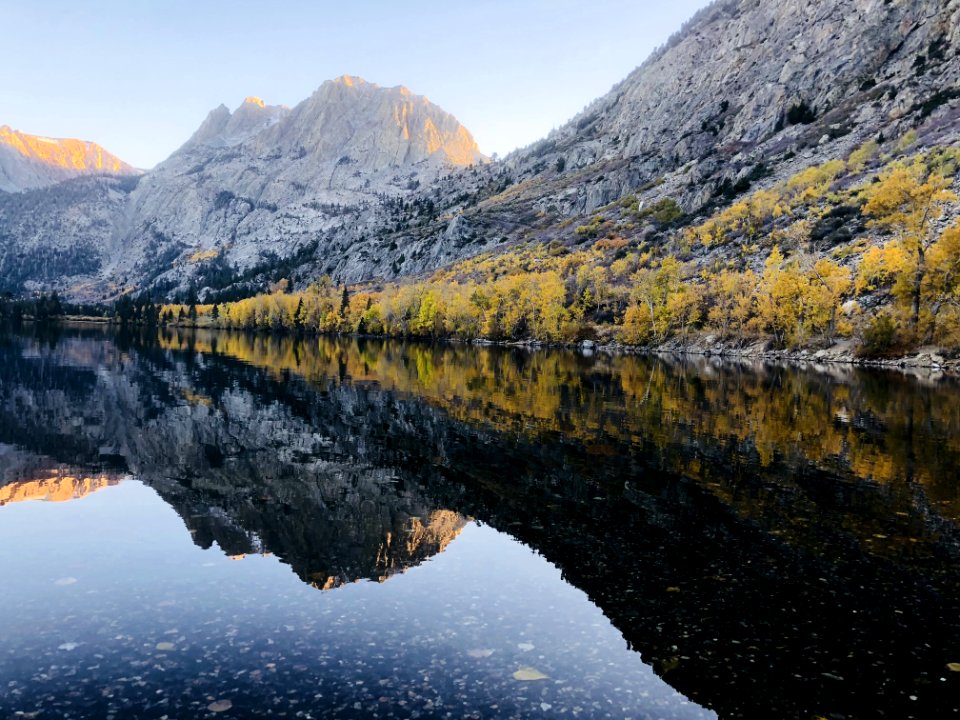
x=31, y=161
x=59, y=487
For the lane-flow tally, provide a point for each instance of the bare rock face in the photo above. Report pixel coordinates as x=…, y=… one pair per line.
x=264, y=180
x=225, y=129
x=748, y=83
x=369, y=128
x=31, y=161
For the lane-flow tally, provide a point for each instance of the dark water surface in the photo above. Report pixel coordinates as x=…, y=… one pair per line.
x=225, y=525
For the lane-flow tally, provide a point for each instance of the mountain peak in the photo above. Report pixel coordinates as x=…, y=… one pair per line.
x=33, y=161
x=351, y=81
x=355, y=81
x=223, y=128
x=375, y=127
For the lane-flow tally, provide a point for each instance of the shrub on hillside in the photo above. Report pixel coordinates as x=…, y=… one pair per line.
x=879, y=336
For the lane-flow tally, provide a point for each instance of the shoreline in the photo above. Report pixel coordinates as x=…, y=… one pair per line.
x=924, y=358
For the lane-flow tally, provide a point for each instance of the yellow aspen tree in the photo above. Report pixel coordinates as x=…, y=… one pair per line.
x=942, y=289
x=908, y=200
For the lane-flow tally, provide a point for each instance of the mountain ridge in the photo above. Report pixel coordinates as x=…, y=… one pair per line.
x=223, y=128
x=253, y=182
x=33, y=161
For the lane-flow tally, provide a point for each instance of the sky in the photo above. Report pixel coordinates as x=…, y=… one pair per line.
x=139, y=76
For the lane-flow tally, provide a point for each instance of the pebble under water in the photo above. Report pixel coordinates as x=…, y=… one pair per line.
x=116, y=613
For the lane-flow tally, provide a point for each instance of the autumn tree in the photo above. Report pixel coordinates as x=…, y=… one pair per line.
x=799, y=297
x=730, y=297
x=663, y=302
x=908, y=200
x=942, y=287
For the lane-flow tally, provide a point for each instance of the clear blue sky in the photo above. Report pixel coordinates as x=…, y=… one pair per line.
x=138, y=77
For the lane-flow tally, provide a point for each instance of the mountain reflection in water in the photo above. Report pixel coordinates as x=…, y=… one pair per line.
x=774, y=542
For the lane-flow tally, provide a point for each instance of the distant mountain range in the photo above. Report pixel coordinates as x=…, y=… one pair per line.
x=258, y=182
x=361, y=182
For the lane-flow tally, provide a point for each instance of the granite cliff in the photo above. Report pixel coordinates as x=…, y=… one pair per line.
x=744, y=84
x=249, y=186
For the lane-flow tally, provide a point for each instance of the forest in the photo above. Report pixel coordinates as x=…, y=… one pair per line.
x=865, y=249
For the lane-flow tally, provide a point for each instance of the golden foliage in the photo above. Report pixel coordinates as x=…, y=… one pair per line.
x=202, y=255
x=605, y=283
x=907, y=200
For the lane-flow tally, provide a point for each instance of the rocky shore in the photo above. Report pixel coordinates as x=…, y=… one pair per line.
x=927, y=358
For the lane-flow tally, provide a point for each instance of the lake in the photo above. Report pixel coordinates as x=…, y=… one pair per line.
x=213, y=524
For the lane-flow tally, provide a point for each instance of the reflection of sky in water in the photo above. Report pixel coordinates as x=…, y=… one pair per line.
x=110, y=608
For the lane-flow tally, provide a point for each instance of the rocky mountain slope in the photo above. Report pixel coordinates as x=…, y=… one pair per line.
x=366, y=183
x=31, y=161
x=749, y=89
x=58, y=236
x=257, y=183
x=745, y=96
x=273, y=179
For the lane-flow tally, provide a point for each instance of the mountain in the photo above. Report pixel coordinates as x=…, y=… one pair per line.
x=745, y=96
x=225, y=129
x=59, y=236
x=266, y=181
x=248, y=186
x=771, y=84
x=31, y=161
x=360, y=182
x=274, y=180
x=359, y=124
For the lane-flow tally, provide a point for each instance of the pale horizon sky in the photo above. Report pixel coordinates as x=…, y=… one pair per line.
x=139, y=77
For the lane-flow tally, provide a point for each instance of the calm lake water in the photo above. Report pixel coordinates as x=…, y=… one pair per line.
x=226, y=525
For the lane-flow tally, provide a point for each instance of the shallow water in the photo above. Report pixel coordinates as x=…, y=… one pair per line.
x=128, y=614
x=230, y=525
